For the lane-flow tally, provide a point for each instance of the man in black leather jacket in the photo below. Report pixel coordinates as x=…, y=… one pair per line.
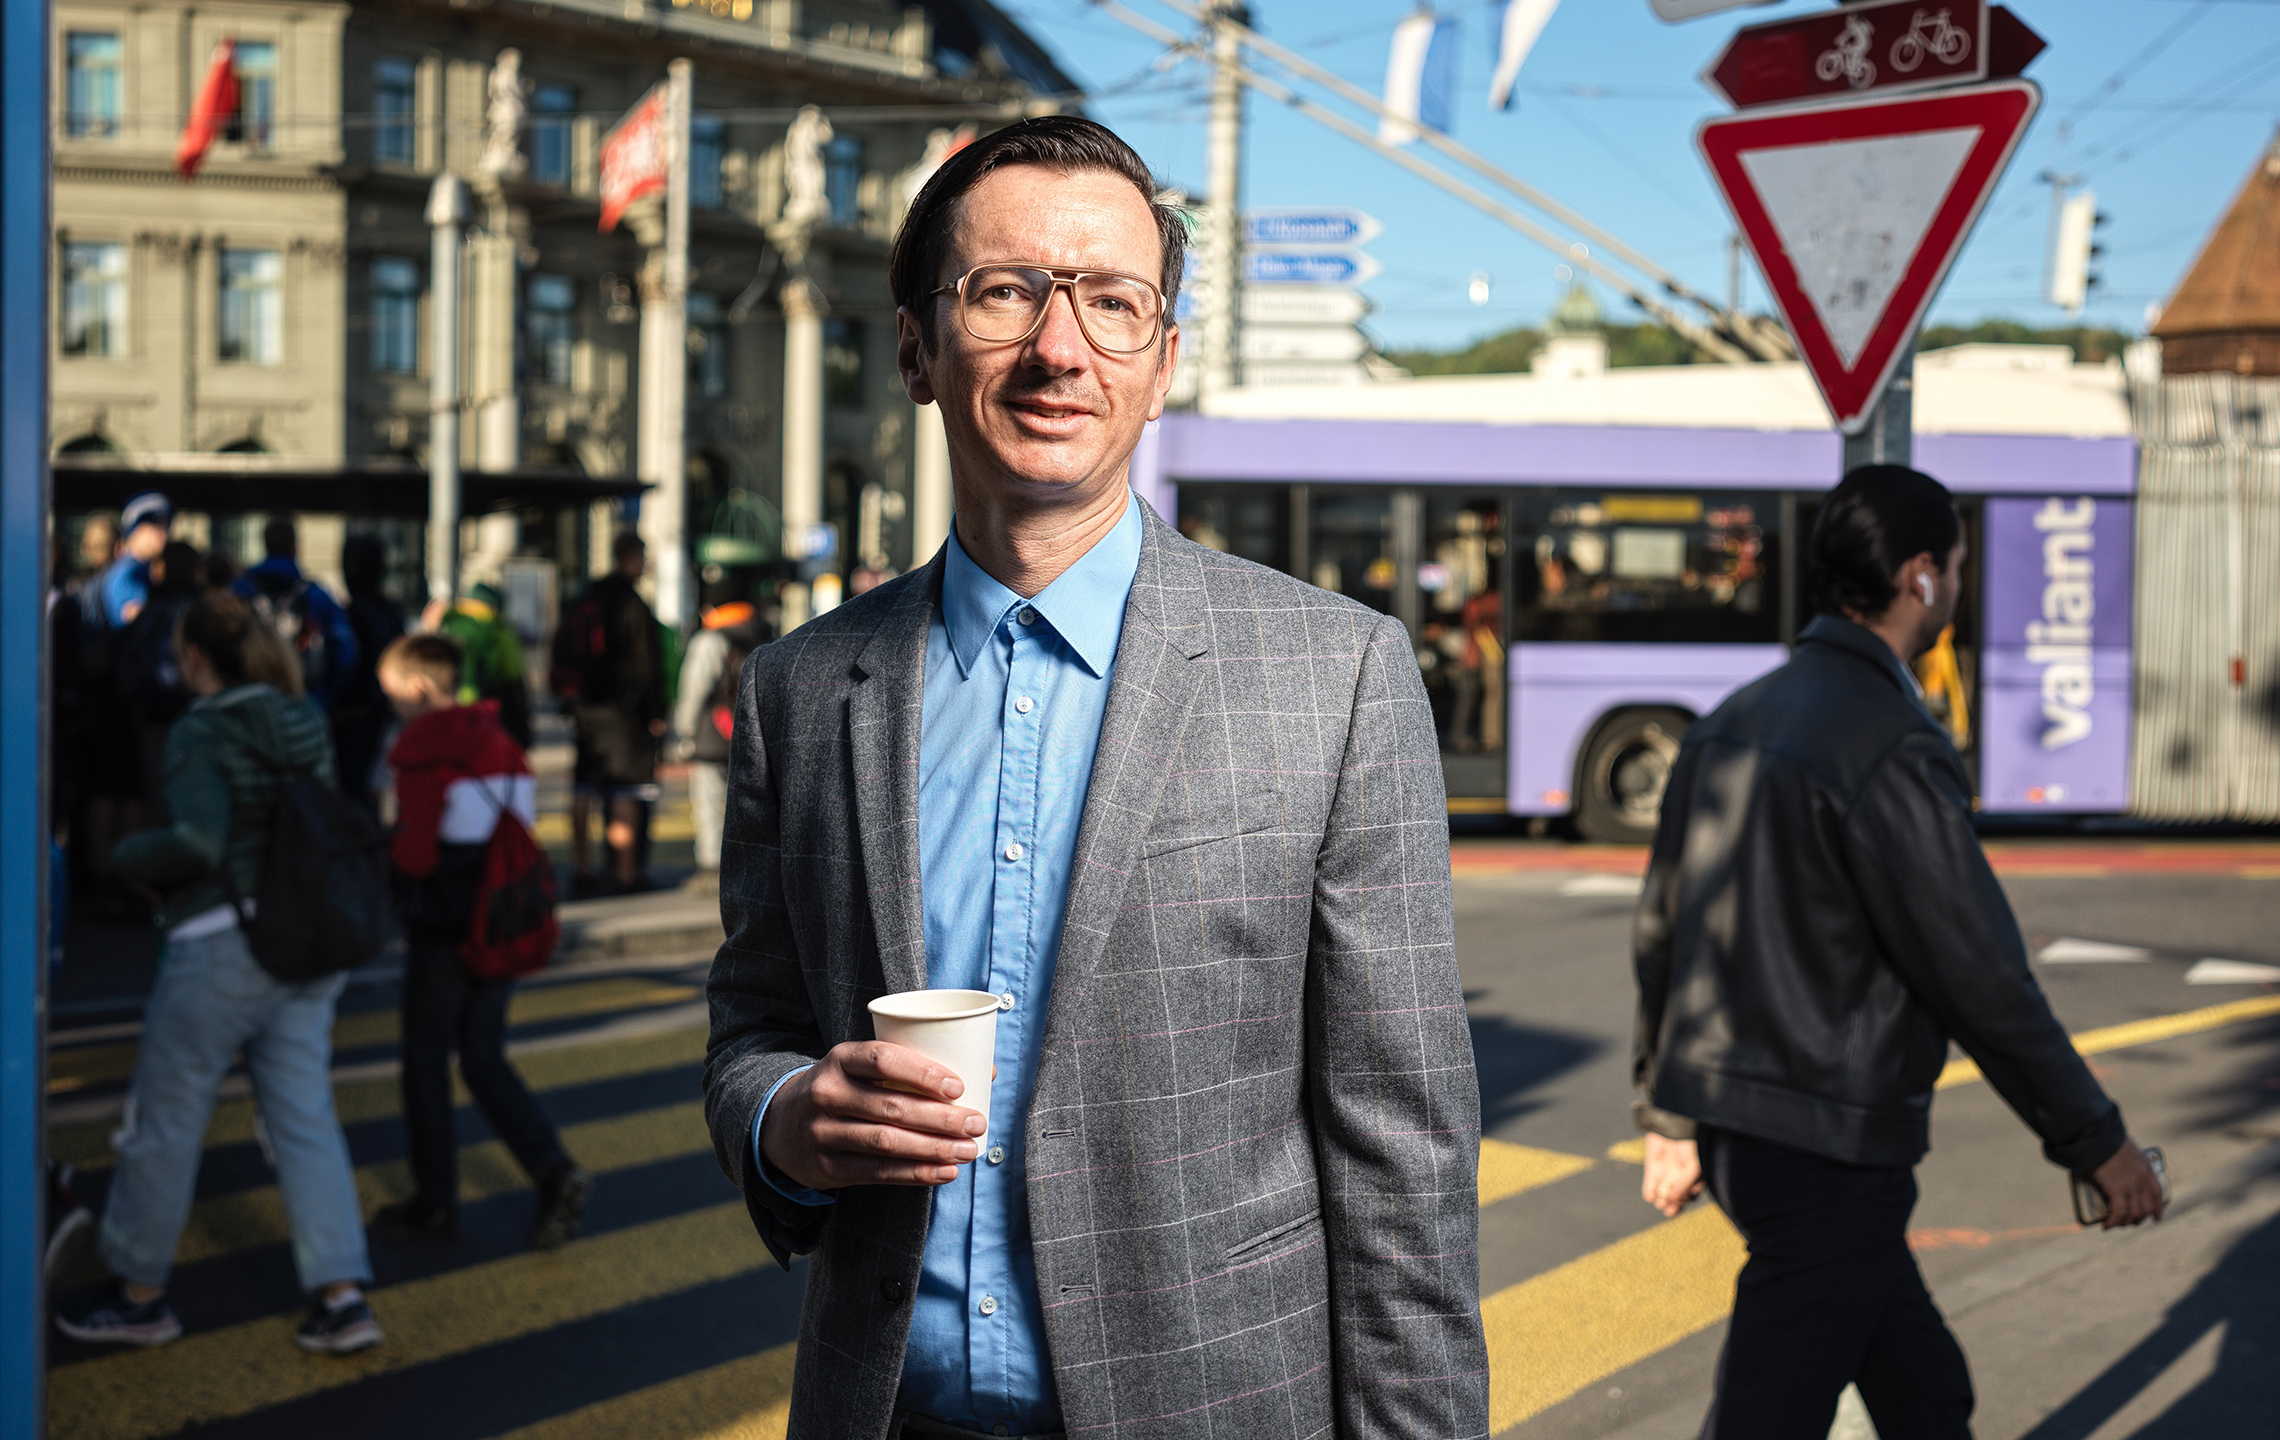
x=1819, y=921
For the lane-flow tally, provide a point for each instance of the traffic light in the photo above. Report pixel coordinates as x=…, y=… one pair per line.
x=2073, y=246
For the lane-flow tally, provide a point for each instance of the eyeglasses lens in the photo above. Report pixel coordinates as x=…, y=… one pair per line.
x=1002, y=303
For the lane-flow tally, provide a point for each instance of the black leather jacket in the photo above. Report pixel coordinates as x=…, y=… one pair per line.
x=1819, y=919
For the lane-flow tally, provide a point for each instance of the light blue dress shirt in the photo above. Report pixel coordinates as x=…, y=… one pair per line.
x=1015, y=692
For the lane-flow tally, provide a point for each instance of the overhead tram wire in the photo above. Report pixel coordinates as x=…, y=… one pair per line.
x=1716, y=345
x=1758, y=341
x=2123, y=72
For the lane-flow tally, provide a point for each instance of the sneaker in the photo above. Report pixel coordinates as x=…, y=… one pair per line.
x=417, y=1219
x=340, y=1329
x=561, y=1205
x=68, y=1220
x=115, y=1320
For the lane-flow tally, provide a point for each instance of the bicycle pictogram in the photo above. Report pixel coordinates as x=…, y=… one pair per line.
x=1849, y=56
x=1946, y=43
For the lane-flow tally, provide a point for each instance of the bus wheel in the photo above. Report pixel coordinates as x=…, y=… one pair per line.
x=1625, y=773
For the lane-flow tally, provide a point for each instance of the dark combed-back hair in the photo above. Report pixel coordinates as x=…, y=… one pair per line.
x=1068, y=143
x=1879, y=519
x=242, y=648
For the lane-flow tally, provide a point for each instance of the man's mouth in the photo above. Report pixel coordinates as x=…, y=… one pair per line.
x=1047, y=415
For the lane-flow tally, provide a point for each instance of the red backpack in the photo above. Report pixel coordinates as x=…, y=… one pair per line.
x=514, y=930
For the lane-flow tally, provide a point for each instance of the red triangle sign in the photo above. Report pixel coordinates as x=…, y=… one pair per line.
x=1855, y=211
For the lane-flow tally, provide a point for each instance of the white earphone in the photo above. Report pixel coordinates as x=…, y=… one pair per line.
x=1924, y=587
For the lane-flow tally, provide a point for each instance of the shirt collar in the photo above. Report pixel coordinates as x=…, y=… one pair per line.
x=1085, y=605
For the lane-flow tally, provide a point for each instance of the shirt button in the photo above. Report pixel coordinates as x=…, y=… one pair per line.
x=997, y=1154
x=1024, y=705
x=1005, y=1001
x=1027, y=616
x=989, y=1304
x=1013, y=852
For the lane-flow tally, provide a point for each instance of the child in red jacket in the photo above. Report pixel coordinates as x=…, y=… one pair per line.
x=457, y=773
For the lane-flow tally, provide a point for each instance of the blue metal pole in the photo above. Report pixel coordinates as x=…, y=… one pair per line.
x=24, y=249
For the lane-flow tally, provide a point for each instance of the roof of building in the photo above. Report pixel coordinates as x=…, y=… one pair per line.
x=2235, y=283
x=1961, y=390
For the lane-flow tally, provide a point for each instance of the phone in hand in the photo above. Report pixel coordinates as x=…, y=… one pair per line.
x=2090, y=1202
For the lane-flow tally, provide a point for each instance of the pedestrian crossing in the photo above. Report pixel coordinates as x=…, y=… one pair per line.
x=1549, y=1335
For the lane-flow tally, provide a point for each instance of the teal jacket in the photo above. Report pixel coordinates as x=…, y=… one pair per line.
x=215, y=774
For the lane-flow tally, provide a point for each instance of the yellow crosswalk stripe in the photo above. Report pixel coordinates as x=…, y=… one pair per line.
x=88, y=1146
x=70, y=1070
x=225, y=1224
x=1507, y=1169
x=1550, y=1336
x=747, y=1399
x=253, y=1366
x=2141, y=1032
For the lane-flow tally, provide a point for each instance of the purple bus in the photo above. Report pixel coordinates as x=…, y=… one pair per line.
x=1579, y=594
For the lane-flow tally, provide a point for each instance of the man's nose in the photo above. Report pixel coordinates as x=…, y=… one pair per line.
x=1059, y=344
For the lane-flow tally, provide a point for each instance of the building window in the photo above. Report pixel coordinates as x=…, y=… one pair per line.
x=550, y=327
x=843, y=363
x=392, y=101
x=843, y=180
x=257, y=92
x=252, y=311
x=708, y=147
x=90, y=84
x=94, y=300
x=708, y=347
x=395, y=316
x=550, y=109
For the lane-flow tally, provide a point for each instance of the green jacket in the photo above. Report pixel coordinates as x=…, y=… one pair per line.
x=214, y=774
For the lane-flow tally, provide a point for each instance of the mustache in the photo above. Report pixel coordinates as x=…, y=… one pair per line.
x=1053, y=392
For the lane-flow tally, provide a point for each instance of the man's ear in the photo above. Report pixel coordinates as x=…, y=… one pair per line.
x=912, y=358
x=1165, y=365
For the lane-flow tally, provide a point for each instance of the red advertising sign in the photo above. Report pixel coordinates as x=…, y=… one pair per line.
x=633, y=157
x=1881, y=45
x=1856, y=210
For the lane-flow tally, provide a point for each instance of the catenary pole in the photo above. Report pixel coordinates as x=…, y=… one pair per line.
x=446, y=216
x=1223, y=247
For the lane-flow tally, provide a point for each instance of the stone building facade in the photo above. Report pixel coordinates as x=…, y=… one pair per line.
x=258, y=336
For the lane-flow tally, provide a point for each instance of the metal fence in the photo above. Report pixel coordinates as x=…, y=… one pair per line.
x=2208, y=586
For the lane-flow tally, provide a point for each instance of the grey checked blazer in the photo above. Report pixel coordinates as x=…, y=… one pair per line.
x=1252, y=1142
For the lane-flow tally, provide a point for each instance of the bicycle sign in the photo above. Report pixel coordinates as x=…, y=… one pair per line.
x=1879, y=45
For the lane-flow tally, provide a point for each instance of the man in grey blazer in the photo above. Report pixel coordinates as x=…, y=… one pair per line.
x=1185, y=815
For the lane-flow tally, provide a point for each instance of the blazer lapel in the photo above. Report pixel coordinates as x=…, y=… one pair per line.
x=884, y=711
x=1155, y=685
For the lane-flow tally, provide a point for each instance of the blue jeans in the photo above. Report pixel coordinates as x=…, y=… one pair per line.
x=213, y=1000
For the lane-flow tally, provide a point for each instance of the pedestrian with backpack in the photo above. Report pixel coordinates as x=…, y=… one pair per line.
x=257, y=936
x=494, y=668
x=477, y=901
x=704, y=718
x=608, y=669
x=305, y=615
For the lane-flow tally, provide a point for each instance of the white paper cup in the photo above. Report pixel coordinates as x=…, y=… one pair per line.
x=956, y=1028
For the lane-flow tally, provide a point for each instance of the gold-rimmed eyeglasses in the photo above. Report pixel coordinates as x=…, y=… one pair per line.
x=1005, y=304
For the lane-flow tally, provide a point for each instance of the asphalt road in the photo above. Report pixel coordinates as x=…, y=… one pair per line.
x=667, y=1320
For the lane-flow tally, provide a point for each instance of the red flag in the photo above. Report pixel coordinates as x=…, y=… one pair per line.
x=217, y=102
x=633, y=157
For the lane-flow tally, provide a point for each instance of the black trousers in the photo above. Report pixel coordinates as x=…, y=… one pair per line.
x=445, y=1009
x=1831, y=1296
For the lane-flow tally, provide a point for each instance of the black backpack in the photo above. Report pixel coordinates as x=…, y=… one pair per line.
x=322, y=904
x=284, y=605
x=582, y=667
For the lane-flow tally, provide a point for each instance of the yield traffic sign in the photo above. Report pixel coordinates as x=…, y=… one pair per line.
x=1856, y=210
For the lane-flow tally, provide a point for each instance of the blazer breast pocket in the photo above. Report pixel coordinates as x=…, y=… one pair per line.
x=1201, y=807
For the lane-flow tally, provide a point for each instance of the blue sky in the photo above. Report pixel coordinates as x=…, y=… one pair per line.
x=2162, y=106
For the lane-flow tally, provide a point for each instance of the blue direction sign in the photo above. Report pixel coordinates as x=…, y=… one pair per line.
x=1307, y=267
x=1332, y=226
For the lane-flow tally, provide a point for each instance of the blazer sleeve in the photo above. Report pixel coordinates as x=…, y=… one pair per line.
x=1396, y=1108
x=1653, y=933
x=763, y=1022
x=1947, y=928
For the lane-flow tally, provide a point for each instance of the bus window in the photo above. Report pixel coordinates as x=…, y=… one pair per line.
x=1460, y=646
x=1647, y=567
x=1252, y=521
x=1350, y=541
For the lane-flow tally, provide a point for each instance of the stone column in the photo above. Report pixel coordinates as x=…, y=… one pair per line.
x=804, y=309
x=930, y=486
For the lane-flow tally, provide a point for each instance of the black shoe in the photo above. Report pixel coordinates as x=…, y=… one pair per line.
x=113, y=1319
x=417, y=1219
x=561, y=1205
x=68, y=1220
x=339, y=1329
